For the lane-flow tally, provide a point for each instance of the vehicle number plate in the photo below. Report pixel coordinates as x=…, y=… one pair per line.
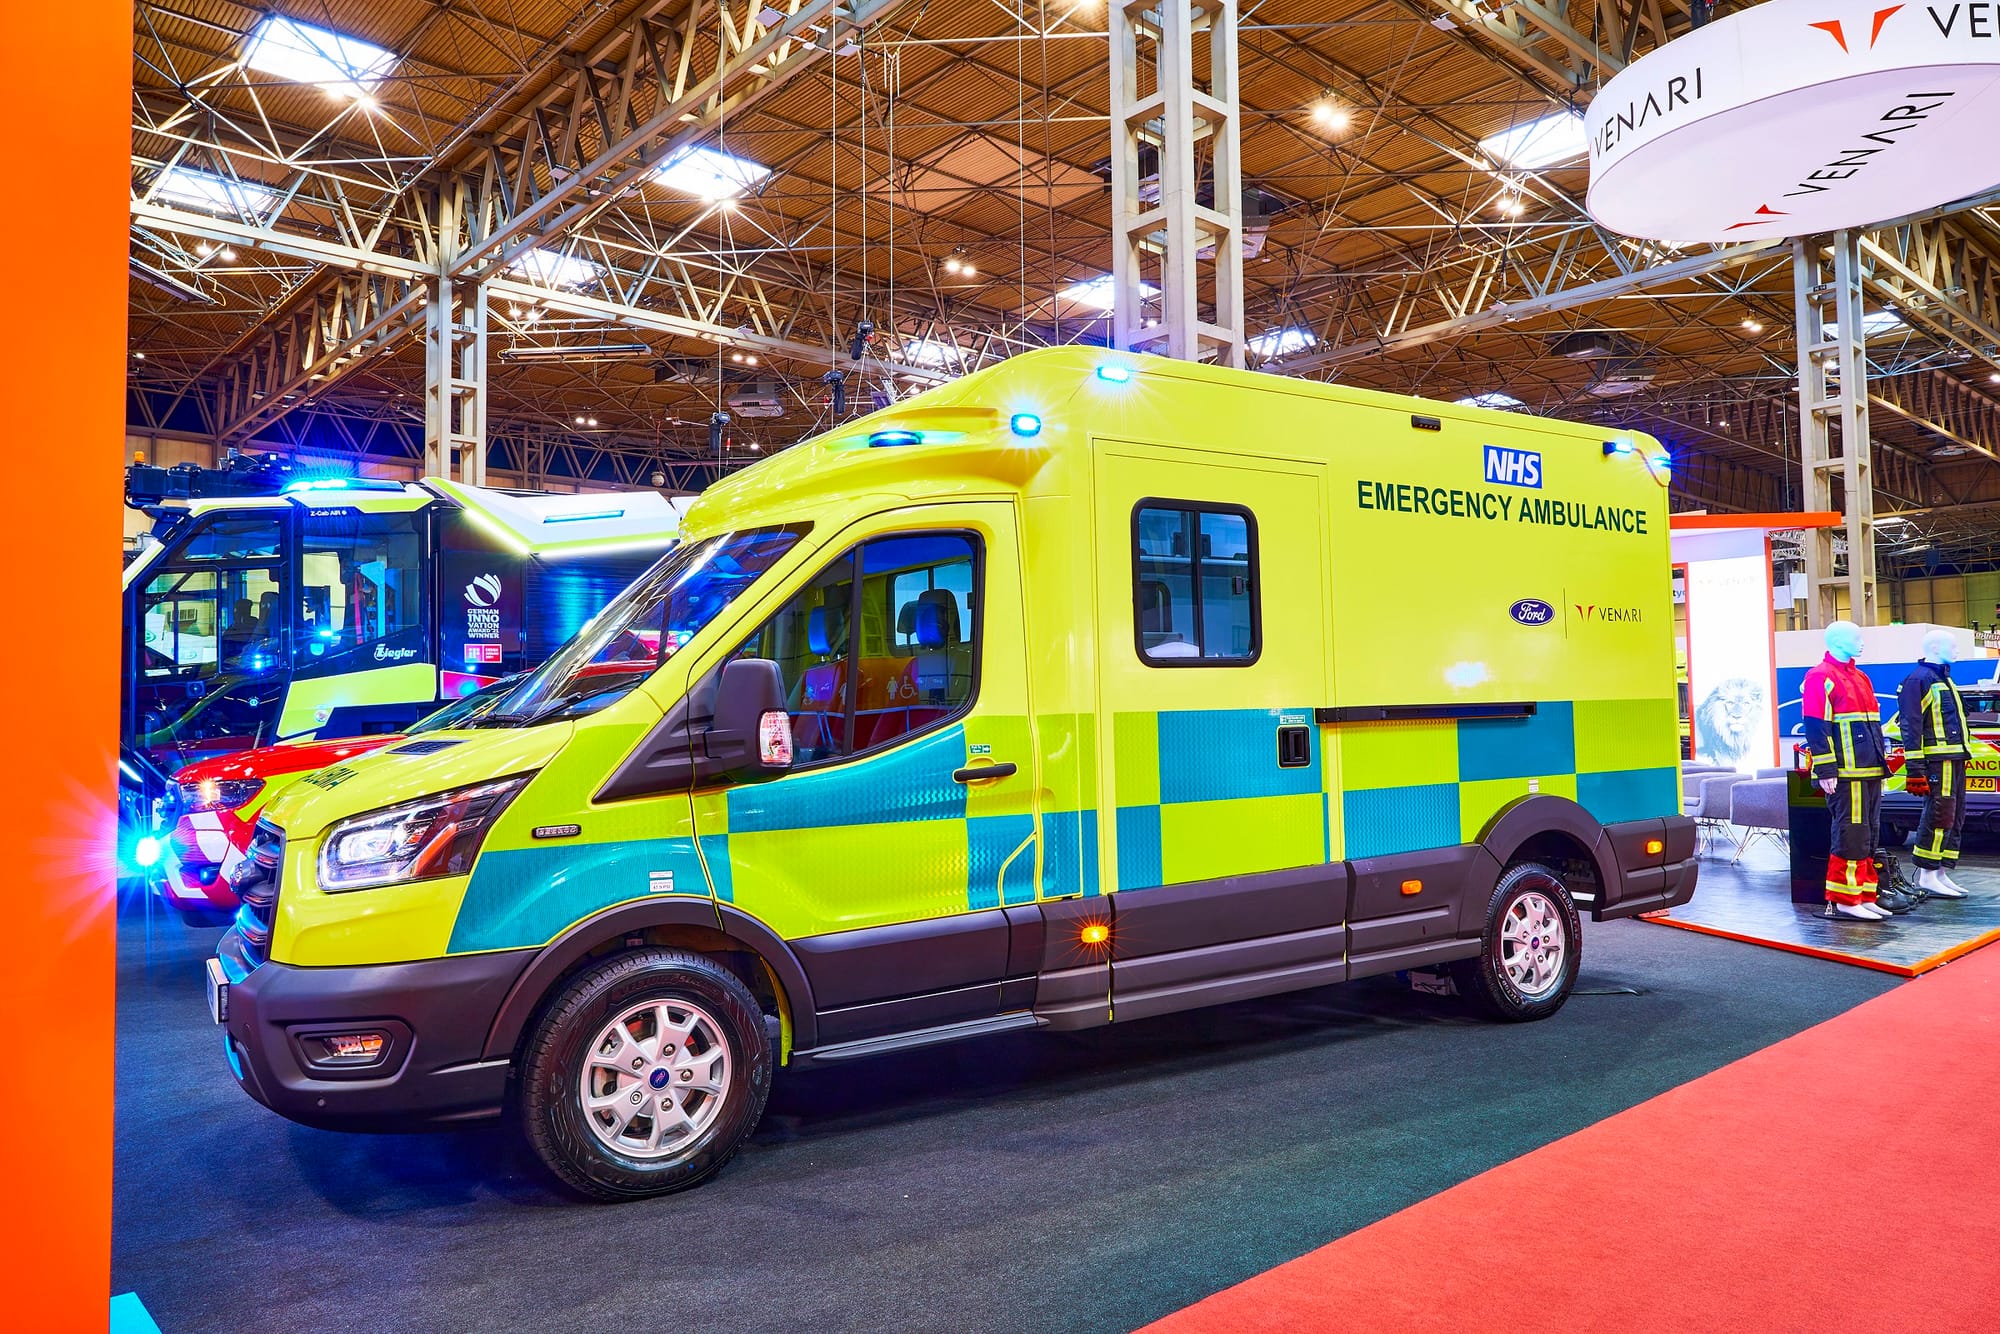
x=218, y=992
x=1982, y=785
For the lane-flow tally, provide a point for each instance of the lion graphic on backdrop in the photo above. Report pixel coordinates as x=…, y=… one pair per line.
x=1729, y=720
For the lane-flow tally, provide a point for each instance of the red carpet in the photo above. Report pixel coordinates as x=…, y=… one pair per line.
x=1728, y=1203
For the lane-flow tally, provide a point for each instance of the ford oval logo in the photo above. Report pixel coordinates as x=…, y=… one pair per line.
x=1532, y=611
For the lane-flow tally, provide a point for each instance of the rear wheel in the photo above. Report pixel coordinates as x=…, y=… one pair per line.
x=1532, y=948
x=646, y=1075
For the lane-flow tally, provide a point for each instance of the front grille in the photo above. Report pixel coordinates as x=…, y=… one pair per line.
x=256, y=885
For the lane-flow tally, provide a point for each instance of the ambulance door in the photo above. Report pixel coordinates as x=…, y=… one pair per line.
x=1212, y=652
x=361, y=656
x=888, y=854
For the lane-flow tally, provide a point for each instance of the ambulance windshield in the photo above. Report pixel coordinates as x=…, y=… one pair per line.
x=640, y=628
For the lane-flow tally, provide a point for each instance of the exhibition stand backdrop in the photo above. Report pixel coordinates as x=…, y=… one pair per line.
x=1730, y=654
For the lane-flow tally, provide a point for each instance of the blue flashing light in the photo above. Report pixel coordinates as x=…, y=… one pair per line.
x=317, y=484
x=1025, y=424
x=146, y=852
x=1622, y=445
x=1112, y=373
x=895, y=439
x=584, y=518
x=1662, y=461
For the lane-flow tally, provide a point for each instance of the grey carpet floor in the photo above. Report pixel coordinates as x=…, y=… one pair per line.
x=1026, y=1182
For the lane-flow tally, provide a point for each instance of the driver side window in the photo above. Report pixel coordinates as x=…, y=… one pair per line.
x=880, y=646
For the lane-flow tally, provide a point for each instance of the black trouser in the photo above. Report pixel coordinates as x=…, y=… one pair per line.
x=1855, y=809
x=1944, y=814
x=1854, y=812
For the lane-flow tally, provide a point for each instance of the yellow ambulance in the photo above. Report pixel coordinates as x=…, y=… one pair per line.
x=1087, y=688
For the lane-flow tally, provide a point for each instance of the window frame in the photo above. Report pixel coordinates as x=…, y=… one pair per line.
x=850, y=704
x=1199, y=508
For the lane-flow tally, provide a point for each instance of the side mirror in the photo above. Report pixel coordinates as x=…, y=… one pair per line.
x=751, y=734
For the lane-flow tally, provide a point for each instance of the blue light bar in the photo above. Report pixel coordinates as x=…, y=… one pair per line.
x=1025, y=424
x=1623, y=446
x=584, y=518
x=341, y=484
x=1113, y=373
x=146, y=852
x=894, y=439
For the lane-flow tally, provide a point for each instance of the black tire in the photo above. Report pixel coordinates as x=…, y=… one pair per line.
x=552, y=1069
x=1485, y=981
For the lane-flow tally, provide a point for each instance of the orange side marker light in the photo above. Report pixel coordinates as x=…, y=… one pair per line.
x=1413, y=886
x=1654, y=847
x=1095, y=933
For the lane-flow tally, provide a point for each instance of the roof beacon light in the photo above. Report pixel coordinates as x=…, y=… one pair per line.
x=1025, y=424
x=1113, y=373
x=1622, y=445
x=895, y=439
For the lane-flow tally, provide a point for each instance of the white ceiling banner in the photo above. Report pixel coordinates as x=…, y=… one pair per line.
x=1797, y=117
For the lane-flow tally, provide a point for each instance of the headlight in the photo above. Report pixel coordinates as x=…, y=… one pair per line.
x=217, y=794
x=419, y=840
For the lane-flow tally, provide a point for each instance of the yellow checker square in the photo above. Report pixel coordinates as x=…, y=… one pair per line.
x=1618, y=734
x=848, y=884
x=1479, y=802
x=711, y=811
x=1398, y=754
x=1136, y=749
x=1204, y=840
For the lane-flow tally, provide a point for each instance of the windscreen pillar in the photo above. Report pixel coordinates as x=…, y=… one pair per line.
x=455, y=381
x=1175, y=138
x=1834, y=446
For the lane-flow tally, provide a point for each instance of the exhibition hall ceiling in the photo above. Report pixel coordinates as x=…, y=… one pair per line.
x=1414, y=184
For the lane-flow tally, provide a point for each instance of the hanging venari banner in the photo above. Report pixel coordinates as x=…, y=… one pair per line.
x=1798, y=117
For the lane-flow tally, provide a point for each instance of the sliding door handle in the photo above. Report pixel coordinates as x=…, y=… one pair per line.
x=979, y=773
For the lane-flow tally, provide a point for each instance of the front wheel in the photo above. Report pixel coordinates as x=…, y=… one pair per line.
x=1532, y=948
x=646, y=1075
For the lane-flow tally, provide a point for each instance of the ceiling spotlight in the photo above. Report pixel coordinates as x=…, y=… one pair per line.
x=1331, y=114
x=590, y=421
x=204, y=248
x=736, y=357
x=141, y=356
x=750, y=361
x=951, y=266
x=579, y=421
x=1751, y=326
x=1511, y=205
x=229, y=256
x=1723, y=423
x=1995, y=377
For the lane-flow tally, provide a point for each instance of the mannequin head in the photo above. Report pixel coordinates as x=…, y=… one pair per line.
x=1843, y=641
x=1941, y=647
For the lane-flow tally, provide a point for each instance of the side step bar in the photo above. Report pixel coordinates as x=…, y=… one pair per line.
x=922, y=1037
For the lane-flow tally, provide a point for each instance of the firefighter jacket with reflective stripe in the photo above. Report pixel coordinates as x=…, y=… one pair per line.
x=1843, y=722
x=1931, y=714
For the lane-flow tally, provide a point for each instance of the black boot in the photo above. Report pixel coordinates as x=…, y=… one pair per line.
x=1889, y=871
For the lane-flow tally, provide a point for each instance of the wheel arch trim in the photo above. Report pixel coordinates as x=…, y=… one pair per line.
x=556, y=959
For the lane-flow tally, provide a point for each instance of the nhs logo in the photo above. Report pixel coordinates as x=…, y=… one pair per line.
x=1513, y=467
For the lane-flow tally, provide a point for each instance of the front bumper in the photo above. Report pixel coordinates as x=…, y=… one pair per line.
x=435, y=1015
x=1646, y=881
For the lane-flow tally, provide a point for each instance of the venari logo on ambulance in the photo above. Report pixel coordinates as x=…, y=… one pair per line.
x=1796, y=117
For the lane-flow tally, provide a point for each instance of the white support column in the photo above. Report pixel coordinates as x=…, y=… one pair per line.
x=1833, y=424
x=455, y=381
x=1158, y=225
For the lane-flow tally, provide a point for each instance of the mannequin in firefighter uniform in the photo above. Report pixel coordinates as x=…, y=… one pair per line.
x=1849, y=761
x=1931, y=716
